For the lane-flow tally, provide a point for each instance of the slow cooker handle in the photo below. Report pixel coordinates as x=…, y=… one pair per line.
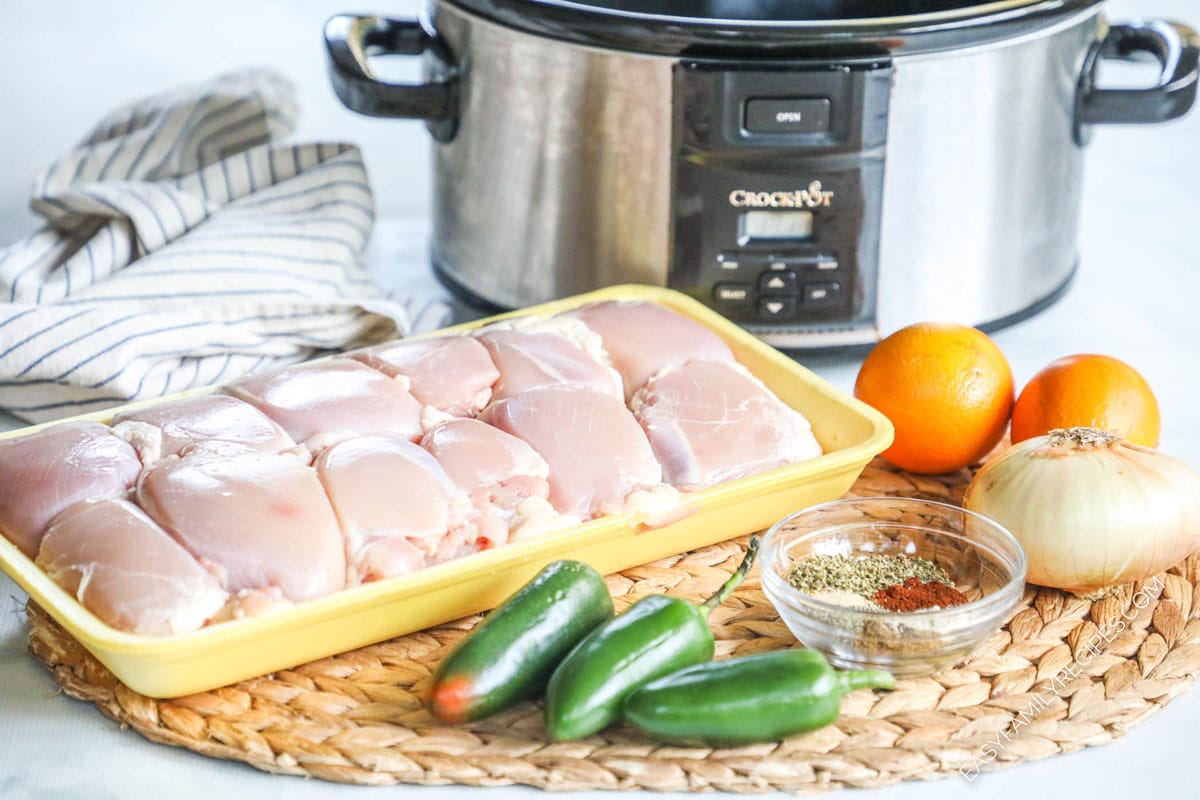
x=1175, y=46
x=350, y=38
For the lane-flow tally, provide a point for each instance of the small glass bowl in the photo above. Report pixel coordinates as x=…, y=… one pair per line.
x=981, y=557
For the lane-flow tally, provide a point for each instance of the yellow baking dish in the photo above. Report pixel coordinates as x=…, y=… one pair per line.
x=850, y=433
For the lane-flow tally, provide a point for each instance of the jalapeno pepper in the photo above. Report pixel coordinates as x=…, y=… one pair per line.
x=655, y=636
x=756, y=698
x=510, y=655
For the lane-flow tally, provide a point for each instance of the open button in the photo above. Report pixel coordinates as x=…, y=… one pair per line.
x=787, y=115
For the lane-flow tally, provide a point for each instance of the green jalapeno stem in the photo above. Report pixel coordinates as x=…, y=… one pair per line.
x=735, y=579
x=865, y=679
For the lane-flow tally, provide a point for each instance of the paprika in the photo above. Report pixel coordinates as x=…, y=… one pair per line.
x=915, y=595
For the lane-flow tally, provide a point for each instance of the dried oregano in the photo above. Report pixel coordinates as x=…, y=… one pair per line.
x=862, y=575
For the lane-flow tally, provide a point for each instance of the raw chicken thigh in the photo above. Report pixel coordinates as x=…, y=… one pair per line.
x=712, y=421
x=503, y=476
x=642, y=338
x=478, y=456
x=321, y=404
x=563, y=326
x=398, y=509
x=43, y=473
x=165, y=429
x=527, y=360
x=598, y=455
x=255, y=520
x=127, y=571
x=453, y=374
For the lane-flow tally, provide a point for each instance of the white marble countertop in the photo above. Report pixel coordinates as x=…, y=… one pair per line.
x=1134, y=297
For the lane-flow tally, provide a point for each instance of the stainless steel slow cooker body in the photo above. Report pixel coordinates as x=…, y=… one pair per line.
x=823, y=182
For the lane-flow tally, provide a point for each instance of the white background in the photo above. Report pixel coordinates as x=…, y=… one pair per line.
x=64, y=64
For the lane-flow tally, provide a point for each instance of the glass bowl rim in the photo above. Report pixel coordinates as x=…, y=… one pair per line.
x=984, y=605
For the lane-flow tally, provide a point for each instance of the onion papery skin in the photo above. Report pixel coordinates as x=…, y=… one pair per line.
x=1094, y=515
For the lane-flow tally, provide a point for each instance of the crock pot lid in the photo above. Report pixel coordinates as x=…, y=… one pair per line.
x=680, y=27
x=778, y=12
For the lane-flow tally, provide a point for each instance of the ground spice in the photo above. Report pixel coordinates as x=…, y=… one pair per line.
x=847, y=600
x=882, y=637
x=914, y=594
x=862, y=575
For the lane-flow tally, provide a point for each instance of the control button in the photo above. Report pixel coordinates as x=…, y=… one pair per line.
x=821, y=295
x=817, y=261
x=728, y=261
x=794, y=261
x=744, y=258
x=733, y=294
x=787, y=115
x=783, y=282
x=776, y=308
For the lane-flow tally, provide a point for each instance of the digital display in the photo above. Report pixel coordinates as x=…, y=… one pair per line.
x=775, y=225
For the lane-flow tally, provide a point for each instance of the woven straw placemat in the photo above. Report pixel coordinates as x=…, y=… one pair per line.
x=1063, y=674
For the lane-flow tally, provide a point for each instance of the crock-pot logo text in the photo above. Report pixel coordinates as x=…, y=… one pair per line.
x=814, y=196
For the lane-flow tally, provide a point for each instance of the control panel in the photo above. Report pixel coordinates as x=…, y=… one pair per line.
x=778, y=182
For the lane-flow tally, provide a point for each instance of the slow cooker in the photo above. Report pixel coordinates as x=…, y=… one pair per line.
x=821, y=172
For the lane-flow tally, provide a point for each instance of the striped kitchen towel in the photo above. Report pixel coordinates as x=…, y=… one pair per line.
x=183, y=249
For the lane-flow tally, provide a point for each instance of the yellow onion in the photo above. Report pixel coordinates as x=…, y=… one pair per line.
x=1090, y=509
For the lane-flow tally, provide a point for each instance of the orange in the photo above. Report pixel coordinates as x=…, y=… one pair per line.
x=1097, y=391
x=947, y=389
